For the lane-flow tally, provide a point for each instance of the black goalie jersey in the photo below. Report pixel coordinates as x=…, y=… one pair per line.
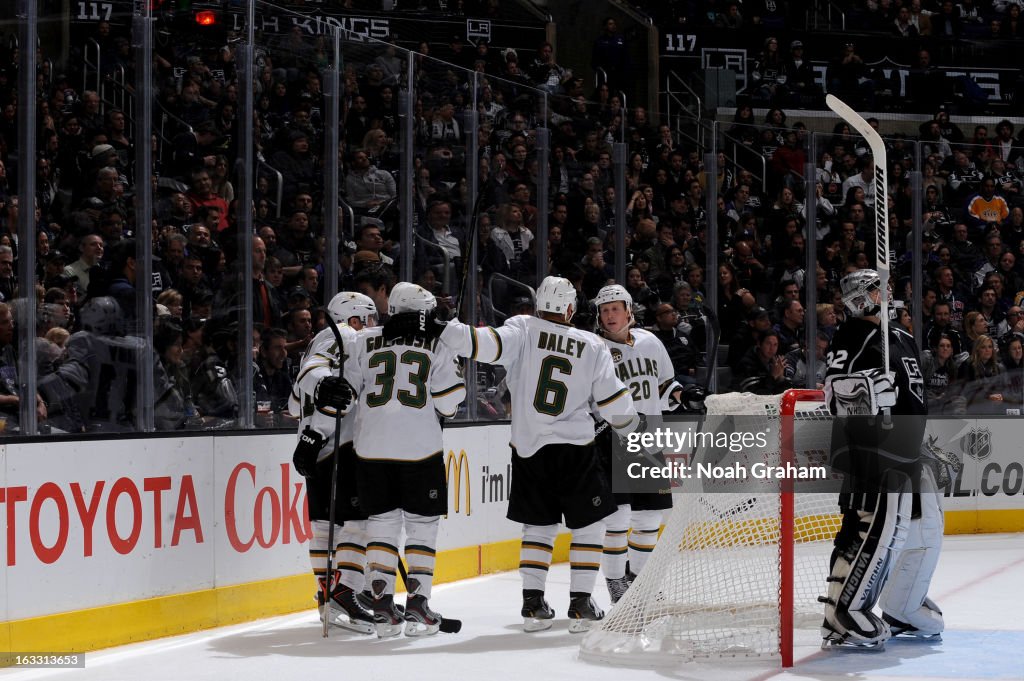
x=856, y=346
x=862, y=445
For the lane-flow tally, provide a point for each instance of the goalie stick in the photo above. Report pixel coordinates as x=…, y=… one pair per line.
x=448, y=625
x=878, y=154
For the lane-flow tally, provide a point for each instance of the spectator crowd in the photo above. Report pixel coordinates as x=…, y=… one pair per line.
x=85, y=276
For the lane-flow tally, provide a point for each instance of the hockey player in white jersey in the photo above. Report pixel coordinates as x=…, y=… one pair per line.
x=643, y=365
x=555, y=371
x=403, y=385
x=317, y=394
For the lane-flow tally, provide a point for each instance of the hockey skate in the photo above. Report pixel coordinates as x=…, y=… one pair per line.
x=365, y=599
x=344, y=610
x=387, y=617
x=836, y=637
x=617, y=587
x=928, y=615
x=905, y=630
x=583, y=612
x=537, y=614
x=420, y=620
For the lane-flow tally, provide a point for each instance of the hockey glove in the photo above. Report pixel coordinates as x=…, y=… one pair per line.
x=423, y=324
x=334, y=392
x=306, y=451
x=863, y=393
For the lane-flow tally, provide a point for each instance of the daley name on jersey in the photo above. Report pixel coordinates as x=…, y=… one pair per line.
x=555, y=342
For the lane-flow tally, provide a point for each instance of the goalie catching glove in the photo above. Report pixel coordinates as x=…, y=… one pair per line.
x=862, y=393
x=334, y=392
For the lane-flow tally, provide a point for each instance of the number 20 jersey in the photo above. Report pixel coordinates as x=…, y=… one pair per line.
x=645, y=368
x=401, y=384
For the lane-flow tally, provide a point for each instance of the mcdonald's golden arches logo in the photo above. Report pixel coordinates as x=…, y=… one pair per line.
x=460, y=463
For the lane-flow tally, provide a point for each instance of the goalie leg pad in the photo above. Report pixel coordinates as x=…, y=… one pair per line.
x=420, y=551
x=645, y=535
x=613, y=560
x=383, y=531
x=905, y=602
x=859, y=570
x=535, y=555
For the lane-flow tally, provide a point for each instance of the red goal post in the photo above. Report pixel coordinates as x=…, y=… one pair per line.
x=735, y=574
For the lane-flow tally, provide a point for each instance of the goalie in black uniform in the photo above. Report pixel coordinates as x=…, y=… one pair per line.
x=887, y=495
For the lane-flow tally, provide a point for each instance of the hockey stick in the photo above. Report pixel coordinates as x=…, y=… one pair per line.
x=448, y=625
x=334, y=483
x=878, y=154
x=470, y=247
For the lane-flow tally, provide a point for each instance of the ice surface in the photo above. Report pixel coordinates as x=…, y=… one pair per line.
x=978, y=585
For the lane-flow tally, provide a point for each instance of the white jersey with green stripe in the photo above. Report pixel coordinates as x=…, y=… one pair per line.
x=645, y=368
x=322, y=358
x=403, y=385
x=555, y=371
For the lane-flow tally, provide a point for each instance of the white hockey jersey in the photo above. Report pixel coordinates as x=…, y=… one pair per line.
x=554, y=372
x=322, y=359
x=644, y=367
x=401, y=384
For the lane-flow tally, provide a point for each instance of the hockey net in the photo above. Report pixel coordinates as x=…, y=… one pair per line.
x=733, y=574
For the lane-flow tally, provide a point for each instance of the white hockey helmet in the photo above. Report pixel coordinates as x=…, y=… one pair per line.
x=406, y=297
x=102, y=315
x=857, y=288
x=557, y=295
x=349, y=304
x=614, y=293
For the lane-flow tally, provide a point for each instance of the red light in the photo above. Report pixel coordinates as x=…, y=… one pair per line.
x=206, y=18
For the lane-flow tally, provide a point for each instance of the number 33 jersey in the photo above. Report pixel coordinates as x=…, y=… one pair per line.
x=401, y=384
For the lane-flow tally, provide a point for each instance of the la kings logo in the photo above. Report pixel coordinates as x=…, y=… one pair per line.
x=914, y=377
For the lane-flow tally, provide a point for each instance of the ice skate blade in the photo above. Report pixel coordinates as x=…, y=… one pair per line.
x=416, y=629
x=580, y=626
x=532, y=624
x=340, y=619
x=846, y=646
x=385, y=630
x=916, y=636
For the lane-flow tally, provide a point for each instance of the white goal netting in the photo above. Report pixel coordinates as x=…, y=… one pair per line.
x=717, y=583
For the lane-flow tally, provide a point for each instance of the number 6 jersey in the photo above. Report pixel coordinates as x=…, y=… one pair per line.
x=554, y=372
x=401, y=384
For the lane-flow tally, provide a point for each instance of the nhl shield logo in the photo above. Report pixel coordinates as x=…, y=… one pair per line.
x=977, y=443
x=596, y=501
x=432, y=494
